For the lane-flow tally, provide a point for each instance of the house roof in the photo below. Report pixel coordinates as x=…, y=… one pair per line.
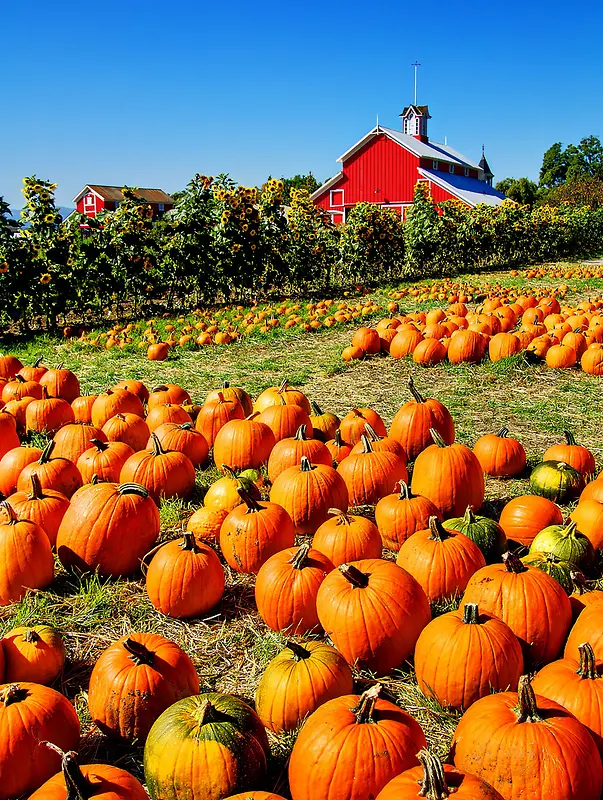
x=326, y=185
x=115, y=193
x=471, y=190
x=483, y=165
x=422, y=111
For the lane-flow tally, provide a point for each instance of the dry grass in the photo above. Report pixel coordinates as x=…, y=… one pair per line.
x=232, y=646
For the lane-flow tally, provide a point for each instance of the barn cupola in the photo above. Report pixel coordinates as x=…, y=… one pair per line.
x=485, y=167
x=414, y=121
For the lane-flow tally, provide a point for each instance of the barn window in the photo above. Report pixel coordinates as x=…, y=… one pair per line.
x=89, y=200
x=336, y=197
x=435, y=164
x=451, y=169
x=466, y=172
x=160, y=207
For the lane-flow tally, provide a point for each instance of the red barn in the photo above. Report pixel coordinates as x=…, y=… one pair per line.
x=95, y=198
x=385, y=166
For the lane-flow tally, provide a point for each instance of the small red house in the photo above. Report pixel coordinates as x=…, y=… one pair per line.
x=95, y=198
x=385, y=165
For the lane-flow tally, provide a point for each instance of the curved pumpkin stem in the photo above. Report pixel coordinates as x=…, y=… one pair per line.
x=570, y=528
x=46, y=453
x=503, y=432
x=100, y=445
x=433, y=786
x=12, y=694
x=437, y=438
x=300, y=559
x=77, y=785
x=185, y=426
x=337, y=438
x=138, y=652
x=156, y=445
x=438, y=531
x=189, y=542
x=569, y=437
x=161, y=388
x=414, y=391
x=38, y=361
x=252, y=504
x=19, y=378
x=367, y=447
x=365, y=709
x=513, y=563
x=526, y=710
x=318, y=412
x=37, y=493
x=230, y=471
x=405, y=493
x=352, y=574
x=133, y=488
x=305, y=465
x=10, y=512
x=371, y=433
x=588, y=665
x=32, y=636
x=283, y=386
x=300, y=435
x=471, y=614
x=298, y=651
x=469, y=517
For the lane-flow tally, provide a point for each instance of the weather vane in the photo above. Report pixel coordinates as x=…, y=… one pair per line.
x=416, y=65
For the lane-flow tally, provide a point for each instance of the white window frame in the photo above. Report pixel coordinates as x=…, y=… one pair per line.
x=466, y=172
x=451, y=169
x=332, y=193
x=89, y=200
x=435, y=164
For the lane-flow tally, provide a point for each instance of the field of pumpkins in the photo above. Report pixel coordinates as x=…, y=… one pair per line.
x=350, y=557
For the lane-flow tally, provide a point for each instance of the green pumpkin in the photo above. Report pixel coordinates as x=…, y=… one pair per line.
x=563, y=572
x=485, y=532
x=567, y=543
x=556, y=481
x=205, y=747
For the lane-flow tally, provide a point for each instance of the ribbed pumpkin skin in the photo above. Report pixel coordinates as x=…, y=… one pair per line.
x=243, y=444
x=299, y=680
x=82, y=408
x=458, y=662
x=451, y=477
x=251, y=533
x=45, y=507
x=18, y=408
x=370, y=475
x=578, y=687
x=26, y=560
x=35, y=654
x=61, y=383
x=183, y=439
x=42, y=714
x=277, y=395
x=413, y=421
x=523, y=517
x=255, y=796
x=206, y=523
x=286, y=588
x=185, y=578
x=485, y=532
x=136, y=387
x=166, y=412
x=288, y=452
x=168, y=393
x=442, y=565
x=126, y=695
x=308, y=492
x=333, y=749
x=11, y=464
x=72, y=440
x=556, y=481
x=339, y=449
x=531, y=603
x=9, y=367
x=588, y=516
x=104, y=460
x=48, y=415
x=499, y=455
x=556, y=758
x=377, y=625
x=399, y=515
x=107, y=530
x=220, y=758
x=232, y=393
x=587, y=628
x=18, y=389
x=353, y=424
x=463, y=785
x=214, y=415
x=53, y=473
x=109, y=783
x=127, y=428
x=163, y=474
x=8, y=433
x=575, y=455
x=346, y=537
x=285, y=420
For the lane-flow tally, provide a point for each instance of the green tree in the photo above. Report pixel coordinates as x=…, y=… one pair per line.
x=585, y=160
x=584, y=191
x=554, y=166
x=521, y=190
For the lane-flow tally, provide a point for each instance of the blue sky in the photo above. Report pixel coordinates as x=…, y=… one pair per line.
x=149, y=93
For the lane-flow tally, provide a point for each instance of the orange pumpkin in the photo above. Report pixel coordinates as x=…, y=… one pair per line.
x=35, y=654
x=26, y=560
x=401, y=514
x=412, y=424
x=163, y=473
x=215, y=414
x=525, y=516
x=500, y=455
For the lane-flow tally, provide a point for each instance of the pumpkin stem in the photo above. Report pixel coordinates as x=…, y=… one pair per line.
x=38, y=361
x=186, y=426
x=94, y=480
x=356, y=412
x=366, y=707
x=36, y=487
x=404, y=491
x=437, y=438
x=471, y=614
x=138, y=652
x=513, y=563
x=189, y=542
x=588, y=666
x=78, y=787
x=32, y=636
x=338, y=439
x=526, y=710
x=13, y=694
x=352, y=574
x=578, y=582
x=230, y=471
x=367, y=447
x=45, y=457
x=298, y=651
x=10, y=512
x=204, y=713
x=371, y=433
x=226, y=384
x=570, y=528
x=469, y=517
x=20, y=378
x=161, y=388
x=300, y=559
x=60, y=365
x=156, y=445
x=284, y=385
x=569, y=437
x=318, y=412
x=133, y=488
x=433, y=786
x=100, y=445
x=343, y=516
x=306, y=466
x=221, y=397
x=503, y=432
x=300, y=436
x=414, y=391
x=252, y=504
x=438, y=531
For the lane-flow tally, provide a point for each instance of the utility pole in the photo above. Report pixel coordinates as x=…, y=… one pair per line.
x=416, y=65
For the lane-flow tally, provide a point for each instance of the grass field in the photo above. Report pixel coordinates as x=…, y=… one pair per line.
x=231, y=647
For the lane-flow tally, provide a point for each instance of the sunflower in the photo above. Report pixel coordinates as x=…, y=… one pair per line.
x=48, y=217
x=45, y=278
x=44, y=196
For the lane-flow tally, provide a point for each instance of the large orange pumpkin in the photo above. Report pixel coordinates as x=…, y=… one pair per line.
x=573, y=454
x=11, y=464
x=61, y=383
x=103, y=459
x=9, y=438
x=525, y=516
x=53, y=473
x=500, y=455
x=73, y=439
x=347, y=537
x=185, y=439
x=288, y=452
x=243, y=444
x=129, y=429
x=45, y=507
x=214, y=415
x=401, y=514
x=163, y=473
x=353, y=424
x=26, y=560
x=35, y=654
x=370, y=475
x=112, y=402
